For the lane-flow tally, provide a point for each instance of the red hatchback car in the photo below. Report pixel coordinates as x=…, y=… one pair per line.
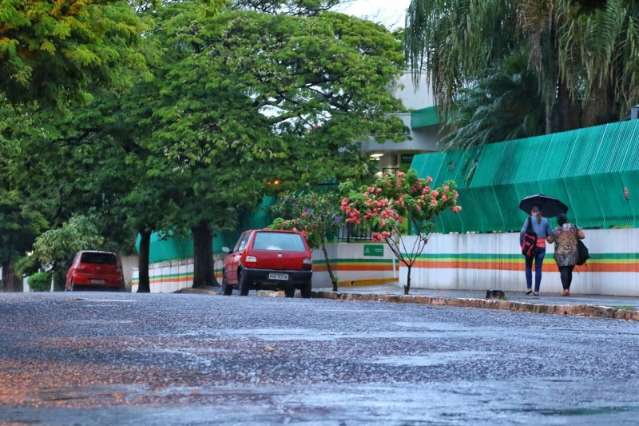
x=268, y=259
x=95, y=270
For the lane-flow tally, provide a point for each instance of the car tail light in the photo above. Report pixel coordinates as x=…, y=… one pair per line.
x=250, y=259
x=307, y=264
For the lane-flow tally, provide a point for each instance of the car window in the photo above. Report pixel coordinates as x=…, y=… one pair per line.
x=241, y=243
x=275, y=241
x=99, y=258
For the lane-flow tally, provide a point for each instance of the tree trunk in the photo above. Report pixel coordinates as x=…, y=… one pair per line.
x=407, y=286
x=329, y=267
x=144, y=285
x=566, y=111
x=202, y=255
x=601, y=107
x=548, y=114
x=10, y=281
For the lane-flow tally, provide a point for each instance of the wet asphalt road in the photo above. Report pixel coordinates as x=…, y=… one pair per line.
x=91, y=358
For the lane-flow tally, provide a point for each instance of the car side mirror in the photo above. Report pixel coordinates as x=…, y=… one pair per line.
x=226, y=250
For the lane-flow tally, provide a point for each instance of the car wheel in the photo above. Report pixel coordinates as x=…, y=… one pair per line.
x=244, y=284
x=307, y=289
x=289, y=291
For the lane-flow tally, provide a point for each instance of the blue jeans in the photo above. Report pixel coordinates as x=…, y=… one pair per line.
x=539, y=262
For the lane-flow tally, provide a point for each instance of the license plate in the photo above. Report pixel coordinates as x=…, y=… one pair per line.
x=97, y=282
x=278, y=277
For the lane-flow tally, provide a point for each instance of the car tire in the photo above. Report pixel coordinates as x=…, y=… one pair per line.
x=289, y=291
x=243, y=284
x=306, y=289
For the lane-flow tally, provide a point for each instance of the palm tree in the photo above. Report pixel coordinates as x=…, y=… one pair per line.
x=503, y=105
x=585, y=54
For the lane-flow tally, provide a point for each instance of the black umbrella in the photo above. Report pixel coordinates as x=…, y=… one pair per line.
x=550, y=207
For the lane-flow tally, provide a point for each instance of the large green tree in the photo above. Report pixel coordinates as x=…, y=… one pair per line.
x=21, y=215
x=584, y=54
x=50, y=50
x=249, y=98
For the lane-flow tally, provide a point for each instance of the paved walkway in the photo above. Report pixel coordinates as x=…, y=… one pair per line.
x=544, y=299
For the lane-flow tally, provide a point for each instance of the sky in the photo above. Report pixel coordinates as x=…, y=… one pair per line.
x=388, y=12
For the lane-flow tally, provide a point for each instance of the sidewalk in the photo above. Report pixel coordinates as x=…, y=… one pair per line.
x=544, y=299
x=552, y=303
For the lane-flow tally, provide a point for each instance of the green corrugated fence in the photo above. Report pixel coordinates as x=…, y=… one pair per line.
x=587, y=168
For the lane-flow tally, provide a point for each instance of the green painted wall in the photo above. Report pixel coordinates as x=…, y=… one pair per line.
x=164, y=248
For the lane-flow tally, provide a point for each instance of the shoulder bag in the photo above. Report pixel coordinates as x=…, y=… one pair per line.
x=529, y=243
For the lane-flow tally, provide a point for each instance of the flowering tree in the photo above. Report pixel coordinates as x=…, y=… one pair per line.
x=315, y=215
x=396, y=201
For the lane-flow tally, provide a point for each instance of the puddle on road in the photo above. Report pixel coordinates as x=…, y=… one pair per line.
x=102, y=393
x=92, y=300
x=99, y=322
x=524, y=401
x=415, y=331
x=433, y=359
x=352, y=311
x=280, y=334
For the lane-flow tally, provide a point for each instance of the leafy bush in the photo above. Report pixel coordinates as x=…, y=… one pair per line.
x=315, y=215
x=58, y=246
x=40, y=281
x=397, y=198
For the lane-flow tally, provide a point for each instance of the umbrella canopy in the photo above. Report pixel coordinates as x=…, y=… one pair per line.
x=550, y=207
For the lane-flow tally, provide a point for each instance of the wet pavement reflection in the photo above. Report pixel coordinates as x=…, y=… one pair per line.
x=131, y=359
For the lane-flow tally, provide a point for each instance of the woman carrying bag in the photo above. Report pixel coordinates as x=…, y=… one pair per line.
x=532, y=238
x=567, y=254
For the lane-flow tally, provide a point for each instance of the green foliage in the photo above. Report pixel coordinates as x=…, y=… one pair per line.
x=40, y=281
x=27, y=265
x=291, y=7
x=50, y=50
x=317, y=215
x=248, y=98
x=235, y=99
x=584, y=55
x=503, y=105
x=394, y=199
x=21, y=216
x=57, y=247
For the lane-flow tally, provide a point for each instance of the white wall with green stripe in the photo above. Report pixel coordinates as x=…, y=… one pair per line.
x=493, y=261
x=354, y=264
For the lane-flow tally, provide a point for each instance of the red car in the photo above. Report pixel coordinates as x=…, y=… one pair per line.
x=95, y=270
x=268, y=259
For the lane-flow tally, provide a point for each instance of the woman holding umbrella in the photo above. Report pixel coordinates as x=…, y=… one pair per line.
x=535, y=232
x=540, y=226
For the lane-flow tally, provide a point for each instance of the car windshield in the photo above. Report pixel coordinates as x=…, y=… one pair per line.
x=99, y=258
x=274, y=241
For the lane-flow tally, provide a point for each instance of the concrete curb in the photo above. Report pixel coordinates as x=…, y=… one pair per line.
x=505, y=305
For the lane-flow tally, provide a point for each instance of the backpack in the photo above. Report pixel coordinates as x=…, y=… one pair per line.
x=529, y=242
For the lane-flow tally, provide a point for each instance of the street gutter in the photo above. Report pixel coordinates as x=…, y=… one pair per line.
x=592, y=311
